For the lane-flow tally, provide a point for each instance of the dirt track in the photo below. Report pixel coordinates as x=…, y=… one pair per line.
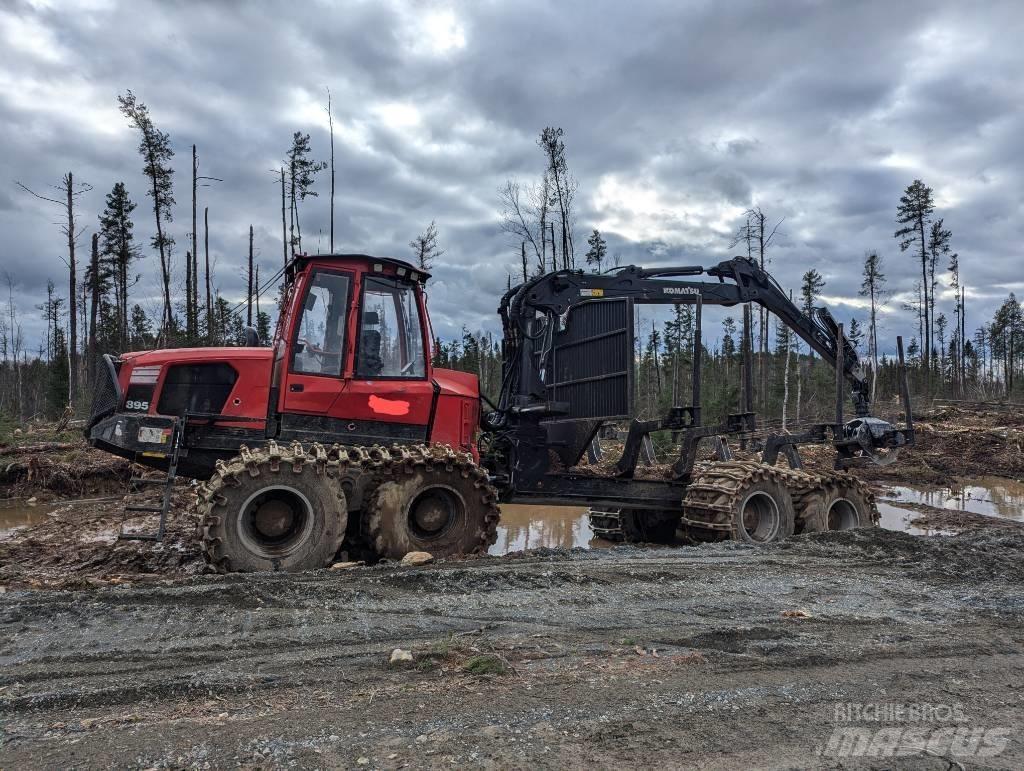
x=756, y=649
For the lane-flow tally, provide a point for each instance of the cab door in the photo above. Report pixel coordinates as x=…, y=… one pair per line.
x=314, y=376
x=390, y=395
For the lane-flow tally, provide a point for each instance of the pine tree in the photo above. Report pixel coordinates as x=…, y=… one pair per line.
x=598, y=249
x=810, y=290
x=938, y=251
x=302, y=171
x=58, y=375
x=425, y=249
x=118, y=251
x=872, y=287
x=855, y=333
x=141, y=329
x=263, y=327
x=156, y=152
x=914, y=214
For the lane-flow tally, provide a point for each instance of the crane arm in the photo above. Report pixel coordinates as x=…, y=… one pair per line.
x=739, y=280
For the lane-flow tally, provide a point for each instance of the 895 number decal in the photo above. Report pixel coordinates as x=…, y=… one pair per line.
x=135, y=404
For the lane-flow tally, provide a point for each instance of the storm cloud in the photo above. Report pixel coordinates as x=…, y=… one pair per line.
x=678, y=116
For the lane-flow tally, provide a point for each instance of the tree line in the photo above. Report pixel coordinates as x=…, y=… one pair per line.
x=101, y=310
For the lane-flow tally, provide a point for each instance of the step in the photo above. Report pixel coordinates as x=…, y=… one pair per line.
x=146, y=481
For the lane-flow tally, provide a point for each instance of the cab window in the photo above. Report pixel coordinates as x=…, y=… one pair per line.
x=319, y=342
x=390, y=334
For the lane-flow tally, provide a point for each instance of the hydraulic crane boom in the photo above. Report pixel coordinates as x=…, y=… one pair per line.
x=553, y=294
x=568, y=368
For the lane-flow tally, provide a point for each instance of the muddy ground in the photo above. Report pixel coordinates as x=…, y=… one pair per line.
x=75, y=544
x=712, y=656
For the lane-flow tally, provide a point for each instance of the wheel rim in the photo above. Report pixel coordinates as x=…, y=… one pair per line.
x=435, y=511
x=760, y=519
x=274, y=520
x=842, y=515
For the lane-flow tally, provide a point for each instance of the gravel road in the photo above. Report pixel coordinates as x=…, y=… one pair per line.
x=712, y=656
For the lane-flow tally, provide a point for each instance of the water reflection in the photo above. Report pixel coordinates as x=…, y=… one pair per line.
x=17, y=513
x=989, y=496
x=894, y=517
x=532, y=527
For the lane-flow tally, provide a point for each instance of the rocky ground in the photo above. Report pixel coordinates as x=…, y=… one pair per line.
x=711, y=656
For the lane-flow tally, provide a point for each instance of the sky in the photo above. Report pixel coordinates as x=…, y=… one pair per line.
x=678, y=117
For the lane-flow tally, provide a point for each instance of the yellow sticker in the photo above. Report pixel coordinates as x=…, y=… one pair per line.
x=591, y=293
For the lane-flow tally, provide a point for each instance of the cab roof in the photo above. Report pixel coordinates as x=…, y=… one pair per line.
x=299, y=259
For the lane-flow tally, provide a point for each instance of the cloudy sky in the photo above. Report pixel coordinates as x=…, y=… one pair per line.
x=678, y=116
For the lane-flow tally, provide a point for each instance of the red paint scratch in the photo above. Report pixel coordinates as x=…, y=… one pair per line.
x=388, y=406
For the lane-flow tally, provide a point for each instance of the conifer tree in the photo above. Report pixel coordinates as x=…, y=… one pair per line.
x=156, y=152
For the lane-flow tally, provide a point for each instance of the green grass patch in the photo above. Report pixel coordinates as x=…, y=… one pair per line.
x=485, y=665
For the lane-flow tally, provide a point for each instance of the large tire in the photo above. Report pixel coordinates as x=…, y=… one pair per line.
x=272, y=509
x=432, y=500
x=744, y=501
x=764, y=512
x=844, y=503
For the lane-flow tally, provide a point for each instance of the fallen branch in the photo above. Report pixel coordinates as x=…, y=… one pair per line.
x=30, y=449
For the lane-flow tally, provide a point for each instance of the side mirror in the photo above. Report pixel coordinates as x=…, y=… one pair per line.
x=251, y=337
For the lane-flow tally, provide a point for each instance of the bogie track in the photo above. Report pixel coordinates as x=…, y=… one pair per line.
x=751, y=501
x=288, y=507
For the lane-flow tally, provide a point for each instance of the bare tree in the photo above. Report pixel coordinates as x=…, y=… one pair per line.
x=206, y=251
x=330, y=123
x=755, y=235
x=248, y=294
x=95, y=284
x=551, y=142
x=14, y=346
x=284, y=224
x=520, y=219
x=70, y=191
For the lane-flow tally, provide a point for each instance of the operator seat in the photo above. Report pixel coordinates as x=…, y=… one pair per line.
x=370, y=363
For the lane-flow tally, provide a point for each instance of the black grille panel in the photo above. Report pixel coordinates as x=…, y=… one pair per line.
x=592, y=361
x=196, y=388
x=106, y=395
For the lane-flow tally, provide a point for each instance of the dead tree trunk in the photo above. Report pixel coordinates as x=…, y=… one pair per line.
x=206, y=249
x=330, y=123
x=248, y=296
x=193, y=285
x=94, y=302
x=284, y=225
x=72, y=291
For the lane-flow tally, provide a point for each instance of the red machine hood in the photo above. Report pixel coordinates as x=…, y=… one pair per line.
x=457, y=383
x=186, y=355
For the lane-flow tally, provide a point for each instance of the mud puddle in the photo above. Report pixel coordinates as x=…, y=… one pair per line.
x=19, y=513
x=533, y=527
x=564, y=527
x=996, y=497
